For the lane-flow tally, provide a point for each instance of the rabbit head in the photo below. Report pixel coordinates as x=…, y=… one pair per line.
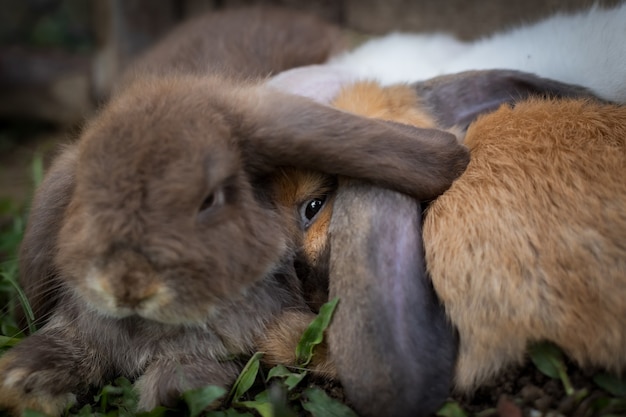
x=240, y=44
x=163, y=221
x=368, y=246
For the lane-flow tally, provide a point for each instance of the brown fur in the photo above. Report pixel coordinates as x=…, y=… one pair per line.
x=235, y=42
x=529, y=244
x=470, y=230
x=398, y=103
x=155, y=249
x=282, y=336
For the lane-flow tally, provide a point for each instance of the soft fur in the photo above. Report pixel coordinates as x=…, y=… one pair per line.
x=586, y=48
x=528, y=244
x=563, y=123
x=154, y=247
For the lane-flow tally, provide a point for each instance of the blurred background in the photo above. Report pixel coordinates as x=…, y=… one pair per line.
x=58, y=58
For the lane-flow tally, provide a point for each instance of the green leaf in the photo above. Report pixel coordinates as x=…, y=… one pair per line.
x=246, y=378
x=8, y=341
x=294, y=380
x=611, y=384
x=549, y=360
x=451, y=409
x=265, y=409
x=278, y=371
x=546, y=358
x=291, y=379
x=199, y=399
x=10, y=275
x=319, y=404
x=271, y=403
x=314, y=333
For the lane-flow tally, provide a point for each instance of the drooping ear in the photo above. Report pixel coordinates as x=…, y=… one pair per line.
x=458, y=99
x=389, y=337
x=279, y=129
x=38, y=275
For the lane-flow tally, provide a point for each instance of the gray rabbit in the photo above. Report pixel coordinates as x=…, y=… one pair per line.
x=155, y=248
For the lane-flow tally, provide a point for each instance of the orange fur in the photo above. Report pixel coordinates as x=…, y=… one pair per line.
x=528, y=244
x=398, y=103
x=283, y=335
x=292, y=188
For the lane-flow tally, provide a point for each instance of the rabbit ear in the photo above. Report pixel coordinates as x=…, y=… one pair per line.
x=39, y=245
x=389, y=337
x=458, y=99
x=286, y=130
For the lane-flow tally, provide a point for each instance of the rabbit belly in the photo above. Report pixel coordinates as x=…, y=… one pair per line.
x=529, y=244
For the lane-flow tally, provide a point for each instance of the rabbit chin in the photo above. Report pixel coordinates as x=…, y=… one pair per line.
x=159, y=307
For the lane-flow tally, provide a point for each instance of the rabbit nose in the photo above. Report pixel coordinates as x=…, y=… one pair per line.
x=134, y=290
x=131, y=278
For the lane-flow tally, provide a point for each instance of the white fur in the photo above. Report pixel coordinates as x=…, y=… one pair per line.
x=400, y=57
x=587, y=48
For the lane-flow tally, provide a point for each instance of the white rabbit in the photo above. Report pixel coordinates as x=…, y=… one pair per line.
x=587, y=48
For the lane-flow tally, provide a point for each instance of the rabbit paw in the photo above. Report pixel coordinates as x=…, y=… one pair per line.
x=22, y=388
x=279, y=342
x=168, y=377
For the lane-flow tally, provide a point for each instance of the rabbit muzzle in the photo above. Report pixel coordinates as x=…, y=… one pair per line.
x=127, y=284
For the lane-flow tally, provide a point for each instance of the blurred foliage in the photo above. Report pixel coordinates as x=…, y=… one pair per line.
x=63, y=24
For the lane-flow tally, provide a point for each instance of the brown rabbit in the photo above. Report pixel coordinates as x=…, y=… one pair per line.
x=154, y=247
x=368, y=239
x=512, y=254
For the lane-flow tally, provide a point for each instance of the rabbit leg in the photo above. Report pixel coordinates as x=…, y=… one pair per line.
x=43, y=373
x=167, y=377
x=281, y=337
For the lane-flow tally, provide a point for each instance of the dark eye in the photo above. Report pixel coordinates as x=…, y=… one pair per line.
x=309, y=210
x=214, y=199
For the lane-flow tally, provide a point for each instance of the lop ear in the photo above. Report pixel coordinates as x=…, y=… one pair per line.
x=38, y=275
x=389, y=337
x=286, y=130
x=458, y=99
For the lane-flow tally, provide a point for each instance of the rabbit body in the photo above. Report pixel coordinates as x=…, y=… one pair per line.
x=528, y=244
x=154, y=247
x=120, y=260
x=401, y=57
x=584, y=48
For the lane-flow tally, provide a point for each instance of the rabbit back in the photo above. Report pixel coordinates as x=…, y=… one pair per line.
x=529, y=244
x=245, y=43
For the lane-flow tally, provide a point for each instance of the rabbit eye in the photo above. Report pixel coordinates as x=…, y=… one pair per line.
x=214, y=199
x=309, y=210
